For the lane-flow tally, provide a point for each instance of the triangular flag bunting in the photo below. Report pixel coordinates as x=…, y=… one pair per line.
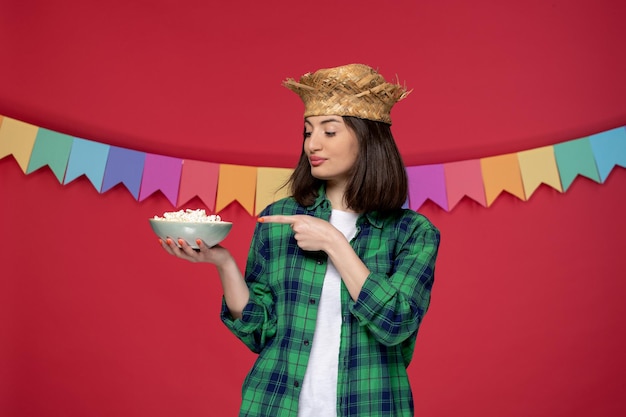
x=198, y=179
x=124, y=166
x=161, y=173
x=17, y=139
x=538, y=166
x=609, y=149
x=89, y=158
x=236, y=183
x=218, y=185
x=51, y=149
x=464, y=178
x=271, y=186
x=501, y=173
x=427, y=182
x=575, y=158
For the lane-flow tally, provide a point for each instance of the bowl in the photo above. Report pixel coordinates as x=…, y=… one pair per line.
x=211, y=233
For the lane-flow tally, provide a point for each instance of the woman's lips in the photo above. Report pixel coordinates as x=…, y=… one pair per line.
x=316, y=161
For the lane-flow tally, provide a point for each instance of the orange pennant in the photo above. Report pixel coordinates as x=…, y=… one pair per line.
x=236, y=183
x=502, y=173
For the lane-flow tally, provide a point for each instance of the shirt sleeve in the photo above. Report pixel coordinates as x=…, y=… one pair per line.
x=258, y=322
x=392, y=307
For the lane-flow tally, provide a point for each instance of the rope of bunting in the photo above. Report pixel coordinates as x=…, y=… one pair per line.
x=218, y=185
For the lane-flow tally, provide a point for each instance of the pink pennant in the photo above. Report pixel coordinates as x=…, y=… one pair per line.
x=427, y=182
x=464, y=178
x=198, y=179
x=161, y=173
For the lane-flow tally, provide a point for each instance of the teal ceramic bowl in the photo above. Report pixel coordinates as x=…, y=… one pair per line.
x=211, y=233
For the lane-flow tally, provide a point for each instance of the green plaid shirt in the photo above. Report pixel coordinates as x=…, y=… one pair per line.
x=378, y=330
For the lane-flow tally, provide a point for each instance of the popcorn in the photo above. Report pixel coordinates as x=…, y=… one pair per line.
x=190, y=216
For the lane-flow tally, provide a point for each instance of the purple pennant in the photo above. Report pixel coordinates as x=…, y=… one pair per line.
x=124, y=166
x=161, y=173
x=427, y=182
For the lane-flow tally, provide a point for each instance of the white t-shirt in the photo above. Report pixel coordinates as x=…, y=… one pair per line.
x=318, y=397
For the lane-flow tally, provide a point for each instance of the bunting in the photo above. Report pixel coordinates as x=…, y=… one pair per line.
x=124, y=166
x=217, y=185
x=87, y=158
x=161, y=173
x=51, y=149
x=575, y=158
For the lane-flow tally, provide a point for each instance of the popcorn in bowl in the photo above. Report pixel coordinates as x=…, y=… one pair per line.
x=191, y=225
x=189, y=215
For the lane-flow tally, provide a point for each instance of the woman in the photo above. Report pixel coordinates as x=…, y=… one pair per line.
x=339, y=275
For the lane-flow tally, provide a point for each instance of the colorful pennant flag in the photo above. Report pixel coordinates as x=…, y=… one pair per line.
x=464, y=178
x=199, y=179
x=87, y=158
x=17, y=139
x=124, y=166
x=271, y=185
x=502, y=173
x=575, y=158
x=51, y=149
x=538, y=166
x=161, y=173
x=427, y=182
x=609, y=149
x=236, y=183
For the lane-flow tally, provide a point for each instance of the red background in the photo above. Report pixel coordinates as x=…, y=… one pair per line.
x=95, y=320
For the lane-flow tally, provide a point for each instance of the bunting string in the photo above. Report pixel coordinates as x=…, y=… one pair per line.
x=482, y=180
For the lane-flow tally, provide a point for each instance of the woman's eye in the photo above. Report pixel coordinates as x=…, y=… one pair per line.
x=307, y=135
x=330, y=134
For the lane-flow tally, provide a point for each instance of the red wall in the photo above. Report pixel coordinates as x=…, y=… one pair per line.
x=527, y=314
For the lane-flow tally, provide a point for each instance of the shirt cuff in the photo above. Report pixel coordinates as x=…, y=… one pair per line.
x=371, y=297
x=248, y=322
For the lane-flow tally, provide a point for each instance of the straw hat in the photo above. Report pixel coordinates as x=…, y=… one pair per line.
x=349, y=90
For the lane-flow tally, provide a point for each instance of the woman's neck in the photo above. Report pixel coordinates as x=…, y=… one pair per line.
x=335, y=193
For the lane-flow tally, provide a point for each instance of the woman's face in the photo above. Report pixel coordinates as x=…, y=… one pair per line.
x=332, y=148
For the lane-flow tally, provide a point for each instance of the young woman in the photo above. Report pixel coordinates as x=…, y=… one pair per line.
x=339, y=275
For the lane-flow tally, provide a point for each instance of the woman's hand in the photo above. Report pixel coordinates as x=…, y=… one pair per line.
x=216, y=255
x=311, y=233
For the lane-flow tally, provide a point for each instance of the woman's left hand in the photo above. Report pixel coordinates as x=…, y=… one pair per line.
x=311, y=233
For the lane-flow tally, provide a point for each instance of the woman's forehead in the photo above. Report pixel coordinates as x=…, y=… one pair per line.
x=324, y=119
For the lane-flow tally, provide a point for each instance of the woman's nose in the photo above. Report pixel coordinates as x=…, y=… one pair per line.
x=315, y=142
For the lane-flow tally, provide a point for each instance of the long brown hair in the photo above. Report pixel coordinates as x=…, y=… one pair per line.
x=378, y=181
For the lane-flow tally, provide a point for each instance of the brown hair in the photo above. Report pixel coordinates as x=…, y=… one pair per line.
x=378, y=181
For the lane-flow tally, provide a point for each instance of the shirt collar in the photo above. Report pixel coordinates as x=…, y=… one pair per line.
x=373, y=217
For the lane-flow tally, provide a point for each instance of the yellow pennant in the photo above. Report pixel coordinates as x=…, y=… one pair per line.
x=538, y=166
x=17, y=139
x=271, y=185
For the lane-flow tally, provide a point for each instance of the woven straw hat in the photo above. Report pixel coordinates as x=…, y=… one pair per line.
x=349, y=90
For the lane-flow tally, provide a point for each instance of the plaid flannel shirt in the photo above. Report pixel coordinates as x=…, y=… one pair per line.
x=378, y=329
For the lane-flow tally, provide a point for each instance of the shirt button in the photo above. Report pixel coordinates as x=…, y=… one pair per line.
x=312, y=301
x=296, y=384
x=306, y=343
x=319, y=261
